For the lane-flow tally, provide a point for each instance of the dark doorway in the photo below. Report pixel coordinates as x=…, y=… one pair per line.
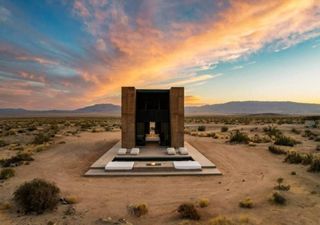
x=153, y=116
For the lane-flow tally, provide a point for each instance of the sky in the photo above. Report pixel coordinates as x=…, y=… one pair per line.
x=66, y=54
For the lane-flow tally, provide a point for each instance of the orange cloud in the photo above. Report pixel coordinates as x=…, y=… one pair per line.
x=148, y=54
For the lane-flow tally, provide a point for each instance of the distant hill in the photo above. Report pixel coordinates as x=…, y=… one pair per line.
x=246, y=107
x=257, y=107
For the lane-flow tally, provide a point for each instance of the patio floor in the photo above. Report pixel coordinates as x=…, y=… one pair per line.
x=152, y=152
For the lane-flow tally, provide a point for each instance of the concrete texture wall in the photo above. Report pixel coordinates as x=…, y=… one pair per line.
x=128, y=117
x=177, y=116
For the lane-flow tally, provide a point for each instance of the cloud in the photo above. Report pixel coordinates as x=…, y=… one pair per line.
x=154, y=43
x=4, y=14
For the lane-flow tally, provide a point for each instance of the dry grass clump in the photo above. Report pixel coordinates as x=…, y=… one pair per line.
x=37, y=196
x=220, y=220
x=276, y=150
x=71, y=199
x=224, y=129
x=272, y=131
x=315, y=164
x=285, y=141
x=2, y=143
x=278, y=198
x=246, y=203
x=280, y=186
x=203, y=203
x=41, y=138
x=138, y=210
x=188, y=211
x=239, y=138
x=16, y=160
x=201, y=128
x=6, y=173
x=296, y=158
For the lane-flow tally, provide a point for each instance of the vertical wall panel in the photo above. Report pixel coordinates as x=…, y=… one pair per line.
x=177, y=116
x=128, y=117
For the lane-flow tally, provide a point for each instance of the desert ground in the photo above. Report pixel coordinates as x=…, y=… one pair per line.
x=249, y=170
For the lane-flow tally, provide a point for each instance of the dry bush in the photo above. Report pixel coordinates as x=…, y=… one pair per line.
x=276, y=150
x=220, y=220
x=188, y=211
x=293, y=157
x=285, y=141
x=41, y=138
x=239, y=138
x=16, y=160
x=201, y=128
x=203, y=203
x=315, y=164
x=2, y=143
x=224, y=129
x=246, y=203
x=138, y=210
x=272, y=131
x=37, y=196
x=7, y=173
x=278, y=198
x=280, y=186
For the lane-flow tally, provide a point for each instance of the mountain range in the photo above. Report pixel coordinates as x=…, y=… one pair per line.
x=229, y=108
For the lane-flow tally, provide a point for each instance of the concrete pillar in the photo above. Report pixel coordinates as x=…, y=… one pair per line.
x=128, y=117
x=177, y=116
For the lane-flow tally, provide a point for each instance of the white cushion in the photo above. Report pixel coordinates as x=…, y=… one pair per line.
x=134, y=151
x=187, y=165
x=183, y=151
x=122, y=151
x=119, y=166
x=171, y=151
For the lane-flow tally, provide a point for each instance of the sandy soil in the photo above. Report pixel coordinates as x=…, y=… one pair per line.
x=248, y=172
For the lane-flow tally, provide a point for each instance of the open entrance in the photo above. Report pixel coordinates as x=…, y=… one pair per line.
x=153, y=117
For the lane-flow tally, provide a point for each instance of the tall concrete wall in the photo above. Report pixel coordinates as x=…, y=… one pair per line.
x=128, y=117
x=177, y=116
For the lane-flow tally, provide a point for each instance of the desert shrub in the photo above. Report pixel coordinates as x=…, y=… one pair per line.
x=278, y=198
x=138, y=210
x=285, y=141
x=2, y=143
x=246, y=203
x=306, y=158
x=16, y=160
x=293, y=157
x=224, y=129
x=276, y=150
x=239, y=138
x=40, y=139
x=315, y=164
x=71, y=199
x=293, y=173
x=220, y=220
x=295, y=131
x=257, y=139
x=272, y=131
x=37, y=196
x=203, y=203
x=317, y=139
x=280, y=186
x=201, y=128
x=318, y=148
x=188, y=211
x=7, y=173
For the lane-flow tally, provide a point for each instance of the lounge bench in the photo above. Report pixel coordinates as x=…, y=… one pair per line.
x=135, y=151
x=122, y=151
x=187, y=165
x=171, y=151
x=183, y=151
x=119, y=166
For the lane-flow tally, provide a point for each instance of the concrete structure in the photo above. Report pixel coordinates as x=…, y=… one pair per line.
x=141, y=107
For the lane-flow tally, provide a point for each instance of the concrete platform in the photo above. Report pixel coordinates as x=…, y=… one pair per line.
x=150, y=155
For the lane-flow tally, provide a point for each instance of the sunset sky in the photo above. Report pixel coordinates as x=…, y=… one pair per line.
x=65, y=54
